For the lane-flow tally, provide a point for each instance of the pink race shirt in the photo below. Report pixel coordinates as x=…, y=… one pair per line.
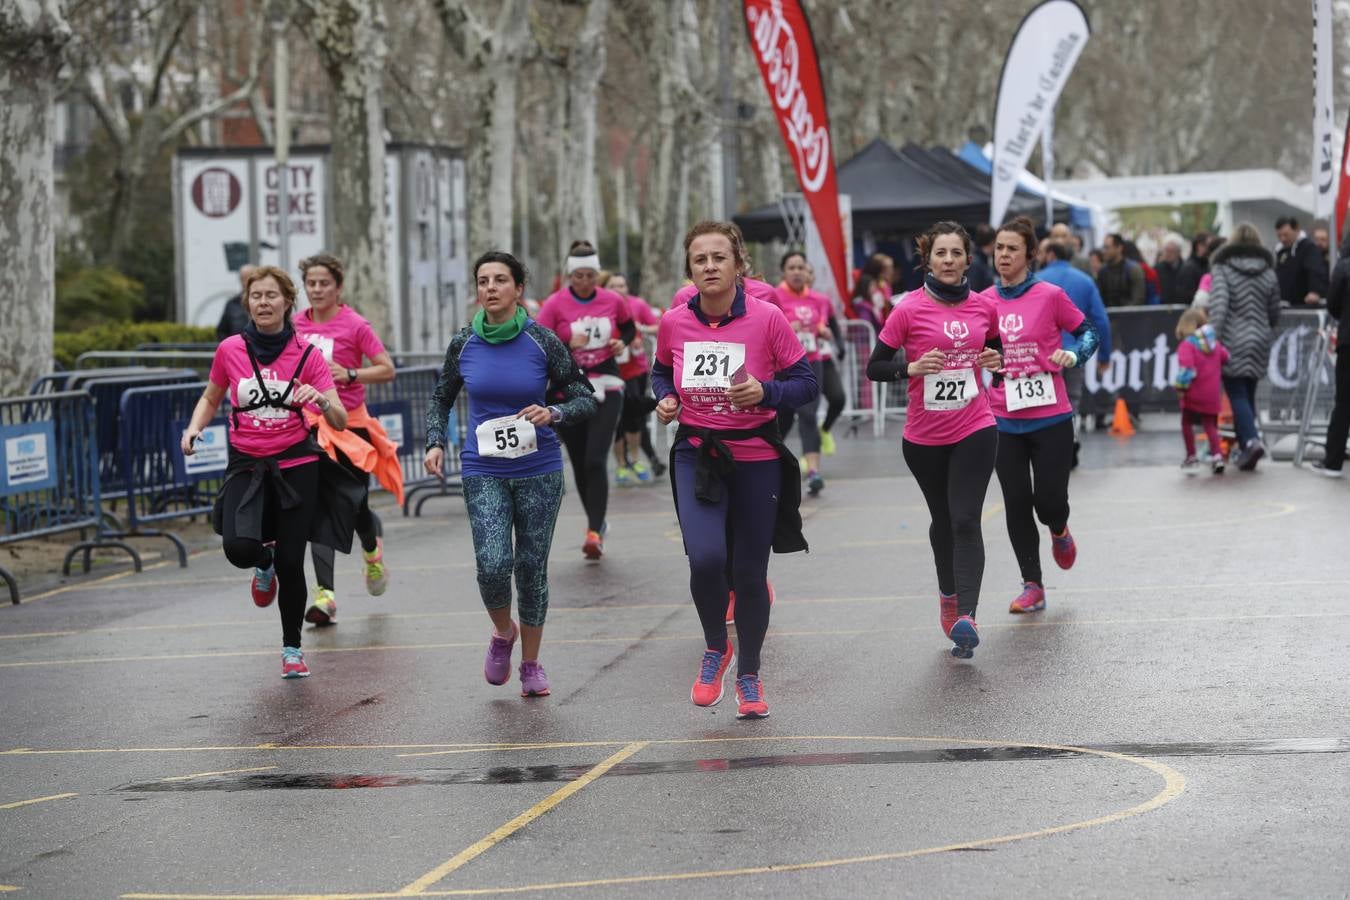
x=808, y=315
x=952, y=405
x=343, y=339
x=633, y=361
x=266, y=431
x=760, y=290
x=704, y=359
x=599, y=318
x=1030, y=327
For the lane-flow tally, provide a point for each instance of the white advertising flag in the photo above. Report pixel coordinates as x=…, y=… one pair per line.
x=1324, y=125
x=1039, y=60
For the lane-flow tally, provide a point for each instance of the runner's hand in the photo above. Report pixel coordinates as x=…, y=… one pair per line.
x=307, y=394
x=536, y=414
x=930, y=363
x=667, y=409
x=616, y=346
x=746, y=394
x=339, y=372
x=189, y=436
x=434, y=461
x=578, y=340
x=1065, y=359
x=990, y=359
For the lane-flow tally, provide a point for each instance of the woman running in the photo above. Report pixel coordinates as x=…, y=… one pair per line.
x=831, y=383
x=808, y=315
x=1031, y=404
x=635, y=370
x=596, y=324
x=949, y=440
x=355, y=357
x=267, y=507
x=724, y=363
x=511, y=461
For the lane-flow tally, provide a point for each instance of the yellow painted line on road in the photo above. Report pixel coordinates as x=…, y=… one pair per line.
x=6, y=888
x=222, y=772
x=990, y=513
x=84, y=585
x=473, y=851
x=19, y=803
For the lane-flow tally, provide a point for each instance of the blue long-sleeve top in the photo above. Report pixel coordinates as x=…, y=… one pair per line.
x=1082, y=290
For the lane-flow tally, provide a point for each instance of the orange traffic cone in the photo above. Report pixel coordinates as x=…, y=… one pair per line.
x=1121, y=426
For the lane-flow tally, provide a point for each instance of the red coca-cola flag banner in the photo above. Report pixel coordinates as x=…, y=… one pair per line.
x=780, y=38
x=1342, y=193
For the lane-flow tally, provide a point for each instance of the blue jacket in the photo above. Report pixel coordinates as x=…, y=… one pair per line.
x=1082, y=290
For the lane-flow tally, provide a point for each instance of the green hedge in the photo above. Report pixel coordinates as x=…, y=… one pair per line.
x=68, y=345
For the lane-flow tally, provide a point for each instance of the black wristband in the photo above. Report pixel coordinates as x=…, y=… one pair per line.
x=351, y=376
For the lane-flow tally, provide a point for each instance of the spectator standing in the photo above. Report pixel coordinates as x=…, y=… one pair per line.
x=1169, y=270
x=1339, y=427
x=1196, y=267
x=1120, y=282
x=234, y=318
x=1095, y=262
x=1244, y=305
x=1152, y=287
x=871, y=299
x=1060, y=234
x=1321, y=236
x=981, y=271
x=1299, y=266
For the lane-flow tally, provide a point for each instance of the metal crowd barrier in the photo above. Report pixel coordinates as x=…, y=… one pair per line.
x=1320, y=397
x=49, y=480
x=401, y=407
x=863, y=399
x=100, y=359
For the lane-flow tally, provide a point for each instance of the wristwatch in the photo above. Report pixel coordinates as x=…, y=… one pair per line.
x=323, y=404
x=351, y=376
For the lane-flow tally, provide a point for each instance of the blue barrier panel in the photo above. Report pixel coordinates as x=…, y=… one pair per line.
x=107, y=394
x=158, y=481
x=49, y=480
x=403, y=403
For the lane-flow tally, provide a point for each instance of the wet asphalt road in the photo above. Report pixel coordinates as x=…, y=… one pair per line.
x=1175, y=724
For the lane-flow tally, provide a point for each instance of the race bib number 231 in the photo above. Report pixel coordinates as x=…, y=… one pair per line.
x=709, y=365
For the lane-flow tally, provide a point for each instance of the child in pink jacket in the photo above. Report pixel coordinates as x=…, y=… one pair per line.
x=1200, y=359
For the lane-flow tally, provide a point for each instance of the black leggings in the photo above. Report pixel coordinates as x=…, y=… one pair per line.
x=588, y=444
x=290, y=529
x=1033, y=469
x=806, y=415
x=954, y=478
x=832, y=388
x=367, y=523
x=638, y=405
x=1339, y=426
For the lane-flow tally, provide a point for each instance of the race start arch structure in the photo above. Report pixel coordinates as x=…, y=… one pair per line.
x=226, y=214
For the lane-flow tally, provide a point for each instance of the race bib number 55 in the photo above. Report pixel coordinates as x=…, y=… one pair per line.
x=949, y=390
x=507, y=437
x=709, y=365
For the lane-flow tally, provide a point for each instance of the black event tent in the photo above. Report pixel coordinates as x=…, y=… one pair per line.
x=903, y=192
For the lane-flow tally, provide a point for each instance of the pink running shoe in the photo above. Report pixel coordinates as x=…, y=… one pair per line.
x=497, y=666
x=1063, y=549
x=1032, y=599
x=533, y=681
x=948, y=612
x=712, y=671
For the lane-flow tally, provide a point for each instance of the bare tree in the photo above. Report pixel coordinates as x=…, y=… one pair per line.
x=350, y=38
x=491, y=54
x=33, y=36
x=125, y=67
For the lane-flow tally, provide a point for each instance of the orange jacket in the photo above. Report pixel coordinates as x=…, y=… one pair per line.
x=379, y=456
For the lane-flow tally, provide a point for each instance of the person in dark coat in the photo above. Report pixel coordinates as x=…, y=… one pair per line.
x=1194, y=268
x=1168, y=268
x=234, y=318
x=1338, y=430
x=1299, y=266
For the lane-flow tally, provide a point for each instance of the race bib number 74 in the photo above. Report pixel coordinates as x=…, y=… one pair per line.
x=709, y=365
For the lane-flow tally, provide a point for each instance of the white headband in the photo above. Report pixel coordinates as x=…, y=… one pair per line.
x=583, y=262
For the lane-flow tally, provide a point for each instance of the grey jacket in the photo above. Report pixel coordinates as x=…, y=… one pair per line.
x=1244, y=305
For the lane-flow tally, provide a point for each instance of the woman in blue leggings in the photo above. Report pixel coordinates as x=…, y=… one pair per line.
x=511, y=460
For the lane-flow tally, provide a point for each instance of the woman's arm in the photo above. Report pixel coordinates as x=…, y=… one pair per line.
x=886, y=363
x=443, y=397
x=380, y=370
x=203, y=412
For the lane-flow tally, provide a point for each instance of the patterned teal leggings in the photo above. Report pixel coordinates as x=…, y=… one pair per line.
x=531, y=505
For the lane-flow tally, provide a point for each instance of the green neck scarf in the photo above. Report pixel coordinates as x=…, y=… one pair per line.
x=498, y=334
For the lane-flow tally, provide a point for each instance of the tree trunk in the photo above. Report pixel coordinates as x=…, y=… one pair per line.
x=349, y=35
x=33, y=34
x=585, y=67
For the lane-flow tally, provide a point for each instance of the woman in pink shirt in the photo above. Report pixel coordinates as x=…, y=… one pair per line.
x=356, y=357
x=1032, y=405
x=947, y=335
x=596, y=324
x=635, y=370
x=725, y=362
x=808, y=314
x=267, y=508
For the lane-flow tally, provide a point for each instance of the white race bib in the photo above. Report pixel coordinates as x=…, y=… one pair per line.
x=324, y=345
x=808, y=340
x=709, y=365
x=1030, y=391
x=249, y=393
x=507, y=437
x=597, y=331
x=950, y=389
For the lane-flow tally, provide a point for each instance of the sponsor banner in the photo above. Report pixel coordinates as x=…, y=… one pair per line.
x=1324, y=114
x=1342, y=192
x=780, y=38
x=1039, y=61
x=212, y=451
x=28, y=463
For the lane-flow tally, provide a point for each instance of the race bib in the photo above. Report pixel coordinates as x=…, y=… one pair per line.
x=324, y=345
x=248, y=393
x=507, y=437
x=709, y=365
x=597, y=331
x=1030, y=391
x=952, y=389
x=808, y=340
